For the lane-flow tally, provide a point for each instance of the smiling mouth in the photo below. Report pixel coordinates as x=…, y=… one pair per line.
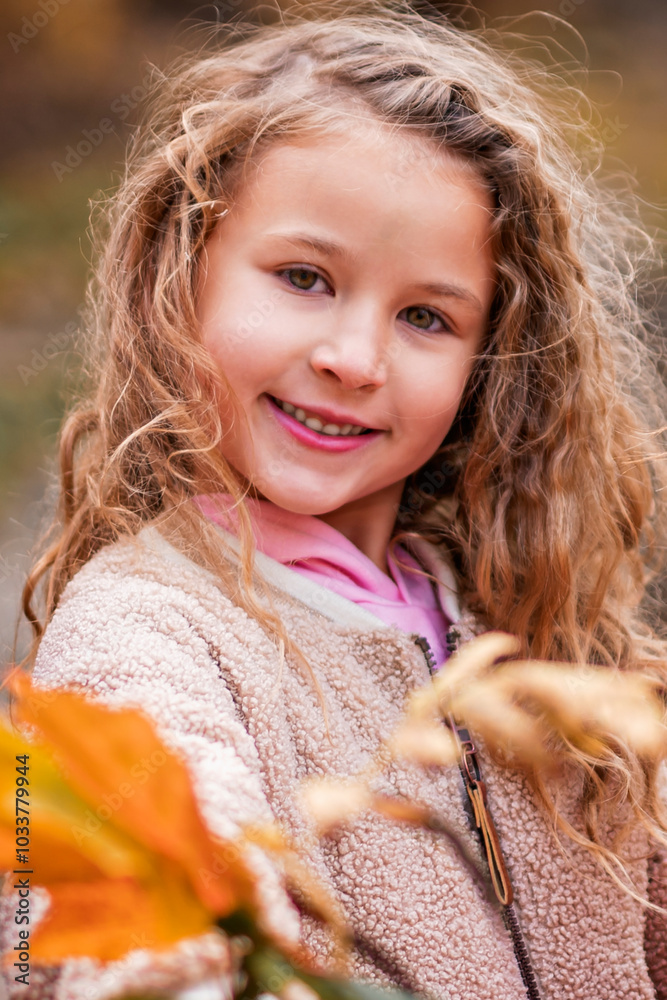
x=315, y=424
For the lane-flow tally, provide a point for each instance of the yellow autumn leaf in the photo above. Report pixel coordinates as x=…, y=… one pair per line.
x=330, y=801
x=489, y=710
x=585, y=702
x=60, y=820
x=473, y=660
x=424, y=743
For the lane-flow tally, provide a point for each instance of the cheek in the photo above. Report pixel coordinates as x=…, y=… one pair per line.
x=231, y=307
x=434, y=397
x=256, y=327
x=239, y=340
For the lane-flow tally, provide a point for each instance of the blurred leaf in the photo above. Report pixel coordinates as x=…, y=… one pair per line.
x=116, y=836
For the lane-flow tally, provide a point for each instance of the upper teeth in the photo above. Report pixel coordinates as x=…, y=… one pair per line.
x=317, y=425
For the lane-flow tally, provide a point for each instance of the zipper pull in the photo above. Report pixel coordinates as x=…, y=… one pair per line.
x=476, y=789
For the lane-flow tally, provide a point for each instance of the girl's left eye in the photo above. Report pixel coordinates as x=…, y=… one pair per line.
x=423, y=318
x=304, y=278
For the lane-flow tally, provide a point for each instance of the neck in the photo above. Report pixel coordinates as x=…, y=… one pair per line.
x=369, y=522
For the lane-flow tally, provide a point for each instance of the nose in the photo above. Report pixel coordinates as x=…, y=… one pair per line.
x=355, y=351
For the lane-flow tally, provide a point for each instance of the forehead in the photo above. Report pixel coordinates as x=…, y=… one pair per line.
x=400, y=151
x=399, y=177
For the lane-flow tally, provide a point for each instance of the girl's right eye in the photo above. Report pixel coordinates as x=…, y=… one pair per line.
x=304, y=278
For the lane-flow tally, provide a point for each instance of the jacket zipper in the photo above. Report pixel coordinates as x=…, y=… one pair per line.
x=476, y=789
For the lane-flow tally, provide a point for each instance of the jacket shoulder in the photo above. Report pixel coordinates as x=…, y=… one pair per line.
x=137, y=607
x=142, y=626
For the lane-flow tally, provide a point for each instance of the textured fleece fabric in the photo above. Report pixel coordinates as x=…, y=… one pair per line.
x=142, y=625
x=324, y=555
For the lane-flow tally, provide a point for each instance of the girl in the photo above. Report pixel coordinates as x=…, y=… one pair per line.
x=360, y=308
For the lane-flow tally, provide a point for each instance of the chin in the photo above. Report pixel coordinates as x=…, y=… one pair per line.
x=302, y=501
x=304, y=506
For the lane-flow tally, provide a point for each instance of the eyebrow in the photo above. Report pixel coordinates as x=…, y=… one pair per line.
x=450, y=290
x=443, y=289
x=317, y=243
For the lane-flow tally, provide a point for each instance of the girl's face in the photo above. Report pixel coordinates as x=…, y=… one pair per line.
x=345, y=296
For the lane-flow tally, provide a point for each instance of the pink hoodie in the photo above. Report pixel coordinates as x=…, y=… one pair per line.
x=319, y=552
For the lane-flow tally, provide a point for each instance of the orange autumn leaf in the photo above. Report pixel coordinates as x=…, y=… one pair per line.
x=111, y=759
x=115, y=834
x=60, y=846
x=108, y=918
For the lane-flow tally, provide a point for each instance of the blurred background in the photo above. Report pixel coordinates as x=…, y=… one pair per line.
x=71, y=77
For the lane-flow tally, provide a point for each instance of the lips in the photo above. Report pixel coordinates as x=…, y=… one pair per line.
x=332, y=438
x=323, y=421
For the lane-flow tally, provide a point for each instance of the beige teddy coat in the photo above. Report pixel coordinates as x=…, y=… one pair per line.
x=140, y=624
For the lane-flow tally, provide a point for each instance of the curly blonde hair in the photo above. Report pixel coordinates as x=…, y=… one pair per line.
x=544, y=491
